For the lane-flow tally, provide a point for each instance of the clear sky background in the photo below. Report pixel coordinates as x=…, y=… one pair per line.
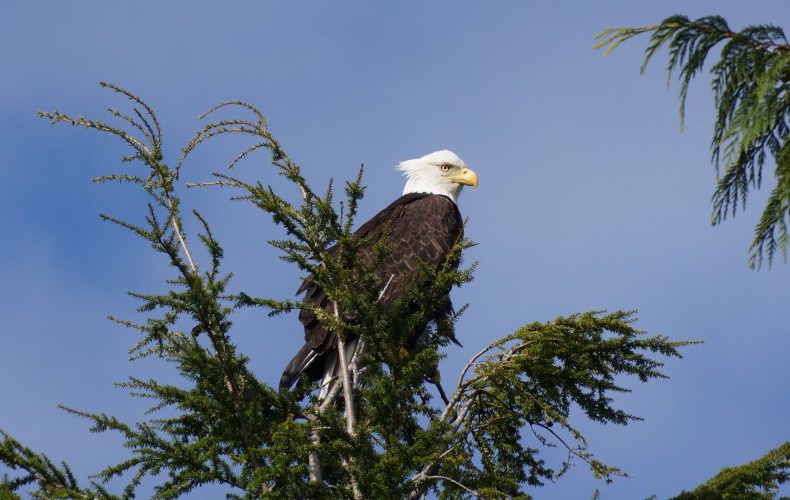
x=590, y=198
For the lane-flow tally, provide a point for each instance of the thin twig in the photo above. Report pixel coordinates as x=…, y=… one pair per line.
x=421, y=476
x=464, y=411
x=459, y=385
x=459, y=394
x=331, y=396
x=179, y=234
x=450, y=480
x=384, y=290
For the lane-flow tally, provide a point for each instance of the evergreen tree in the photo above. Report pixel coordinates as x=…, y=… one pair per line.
x=751, y=84
x=759, y=479
x=380, y=432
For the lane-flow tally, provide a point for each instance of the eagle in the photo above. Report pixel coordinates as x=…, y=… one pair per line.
x=419, y=228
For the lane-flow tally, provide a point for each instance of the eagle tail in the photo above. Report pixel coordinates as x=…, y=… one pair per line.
x=332, y=369
x=300, y=362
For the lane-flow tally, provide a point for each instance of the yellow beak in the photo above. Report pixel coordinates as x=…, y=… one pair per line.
x=468, y=177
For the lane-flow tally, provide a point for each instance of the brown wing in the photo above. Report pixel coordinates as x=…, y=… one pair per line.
x=418, y=228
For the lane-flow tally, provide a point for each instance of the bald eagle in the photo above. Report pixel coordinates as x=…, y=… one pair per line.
x=420, y=227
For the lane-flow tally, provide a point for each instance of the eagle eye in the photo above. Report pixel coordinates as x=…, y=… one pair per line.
x=445, y=168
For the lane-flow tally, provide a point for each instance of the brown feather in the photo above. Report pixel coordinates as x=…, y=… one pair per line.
x=418, y=228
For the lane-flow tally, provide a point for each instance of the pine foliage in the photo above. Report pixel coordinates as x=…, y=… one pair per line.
x=750, y=84
x=756, y=480
x=380, y=433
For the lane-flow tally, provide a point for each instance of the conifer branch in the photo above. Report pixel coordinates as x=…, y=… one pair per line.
x=388, y=438
x=53, y=481
x=529, y=380
x=760, y=478
x=200, y=299
x=751, y=88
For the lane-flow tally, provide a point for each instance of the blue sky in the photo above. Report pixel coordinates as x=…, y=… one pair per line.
x=590, y=198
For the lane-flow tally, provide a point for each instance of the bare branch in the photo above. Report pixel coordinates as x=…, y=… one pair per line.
x=459, y=391
x=348, y=398
x=450, y=480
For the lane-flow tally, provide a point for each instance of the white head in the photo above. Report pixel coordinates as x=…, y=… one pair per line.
x=441, y=172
